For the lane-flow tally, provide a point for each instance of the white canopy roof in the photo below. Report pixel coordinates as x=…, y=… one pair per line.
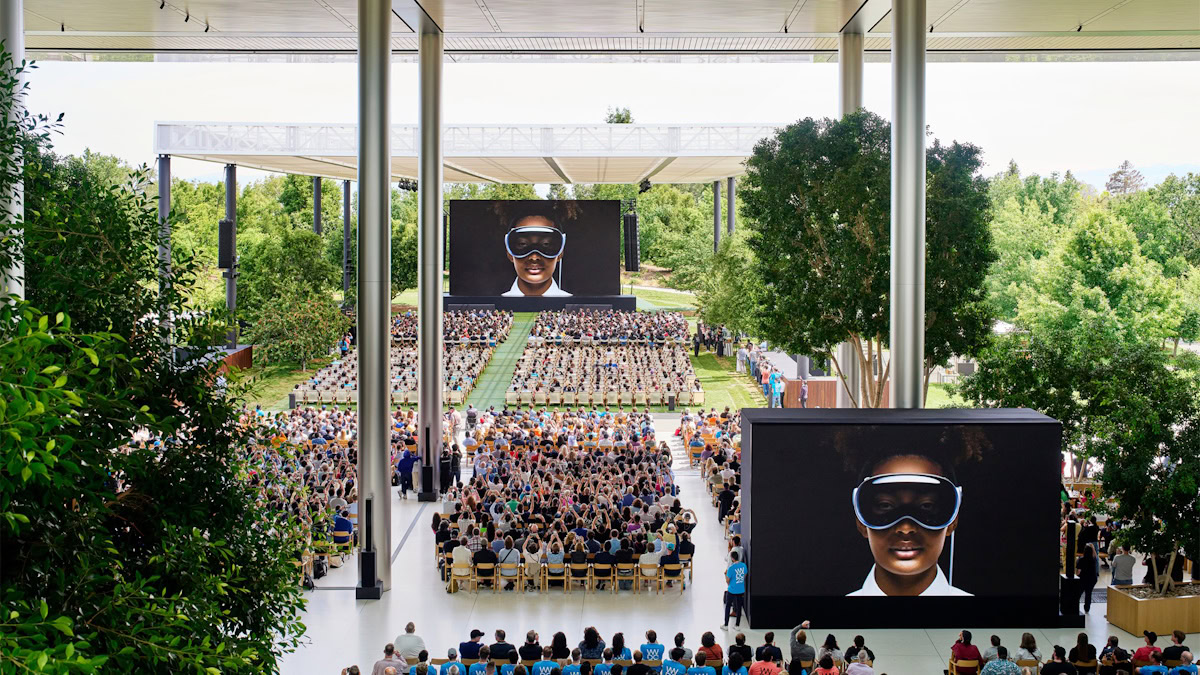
x=507, y=29
x=595, y=153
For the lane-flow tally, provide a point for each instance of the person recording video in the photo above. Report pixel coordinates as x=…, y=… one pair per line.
x=535, y=247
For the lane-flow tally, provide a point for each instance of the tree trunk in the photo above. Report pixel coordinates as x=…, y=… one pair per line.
x=925, y=390
x=1169, y=580
x=1175, y=349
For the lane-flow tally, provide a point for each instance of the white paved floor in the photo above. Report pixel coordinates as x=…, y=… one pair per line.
x=343, y=631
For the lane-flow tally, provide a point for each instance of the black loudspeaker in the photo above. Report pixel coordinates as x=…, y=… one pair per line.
x=671, y=403
x=225, y=253
x=367, y=570
x=632, y=250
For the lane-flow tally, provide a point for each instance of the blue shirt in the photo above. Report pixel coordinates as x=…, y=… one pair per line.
x=701, y=670
x=652, y=651
x=477, y=668
x=1189, y=669
x=670, y=667
x=469, y=650
x=602, y=669
x=1148, y=670
x=507, y=668
x=742, y=671
x=445, y=668
x=341, y=524
x=570, y=669
x=737, y=577
x=543, y=668
x=625, y=655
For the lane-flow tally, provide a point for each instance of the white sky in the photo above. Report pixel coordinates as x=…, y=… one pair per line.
x=1086, y=117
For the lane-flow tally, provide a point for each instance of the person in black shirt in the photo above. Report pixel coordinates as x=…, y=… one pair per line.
x=499, y=649
x=768, y=647
x=469, y=651
x=531, y=650
x=1082, y=652
x=740, y=648
x=1058, y=664
x=638, y=668
x=1177, y=647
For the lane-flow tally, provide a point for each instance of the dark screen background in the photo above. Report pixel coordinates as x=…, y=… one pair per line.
x=804, y=545
x=479, y=265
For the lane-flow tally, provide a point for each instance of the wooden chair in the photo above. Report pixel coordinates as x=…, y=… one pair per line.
x=484, y=572
x=561, y=570
x=345, y=547
x=672, y=567
x=571, y=579
x=807, y=666
x=649, y=573
x=970, y=665
x=518, y=578
x=609, y=575
x=686, y=561
x=630, y=568
x=1169, y=663
x=1086, y=666
x=1029, y=663
x=460, y=574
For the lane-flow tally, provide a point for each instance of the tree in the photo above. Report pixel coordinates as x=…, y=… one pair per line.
x=1123, y=408
x=282, y=262
x=1125, y=180
x=123, y=555
x=726, y=293
x=1097, y=279
x=1160, y=239
x=817, y=196
x=404, y=257
x=618, y=116
x=1181, y=197
x=299, y=327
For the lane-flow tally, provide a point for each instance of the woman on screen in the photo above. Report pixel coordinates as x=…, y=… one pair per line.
x=535, y=247
x=906, y=506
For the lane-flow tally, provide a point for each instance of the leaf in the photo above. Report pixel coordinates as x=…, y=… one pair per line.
x=91, y=354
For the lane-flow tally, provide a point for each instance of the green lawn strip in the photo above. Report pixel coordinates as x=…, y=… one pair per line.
x=939, y=397
x=497, y=377
x=664, y=299
x=270, y=384
x=723, y=386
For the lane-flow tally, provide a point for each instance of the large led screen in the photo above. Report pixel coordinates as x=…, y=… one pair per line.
x=535, y=248
x=898, y=517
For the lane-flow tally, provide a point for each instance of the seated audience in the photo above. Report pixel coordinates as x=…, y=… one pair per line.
x=1000, y=665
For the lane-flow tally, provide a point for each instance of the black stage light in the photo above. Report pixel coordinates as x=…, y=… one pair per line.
x=644, y=186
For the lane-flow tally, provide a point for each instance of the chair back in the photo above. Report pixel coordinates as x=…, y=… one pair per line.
x=606, y=568
x=1086, y=666
x=1029, y=663
x=969, y=665
x=648, y=570
x=485, y=569
x=625, y=567
x=578, y=567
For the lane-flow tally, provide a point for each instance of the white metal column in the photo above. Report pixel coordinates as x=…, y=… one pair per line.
x=12, y=32
x=850, y=93
x=716, y=215
x=164, y=217
x=730, y=205
x=429, y=257
x=374, y=284
x=908, y=203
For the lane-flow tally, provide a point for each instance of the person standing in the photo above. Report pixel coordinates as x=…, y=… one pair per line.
x=404, y=466
x=1122, y=567
x=742, y=355
x=1088, y=568
x=803, y=393
x=735, y=594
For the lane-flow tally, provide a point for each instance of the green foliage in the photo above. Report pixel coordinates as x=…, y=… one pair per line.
x=727, y=292
x=123, y=555
x=817, y=195
x=1181, y=197
x=298, y=328
x=1097, y=280
x=280, y=264
x=1157, y=234
x=1121, y=405
x=618, y=115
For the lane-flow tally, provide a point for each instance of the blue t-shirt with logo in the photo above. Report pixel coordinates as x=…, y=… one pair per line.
x=737, y=578
x=701, y=670
x=507, y=668
x=571, y=669
x=1189, y=669
x=652, y=651
x=445, y=668
x=602, y=669
x=477, y=668
x=544, y=667
x=1153, y=670
x=670, y=667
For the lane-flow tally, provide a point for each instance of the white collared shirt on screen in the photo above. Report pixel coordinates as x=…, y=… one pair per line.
x=553, y=292
x=939, y=586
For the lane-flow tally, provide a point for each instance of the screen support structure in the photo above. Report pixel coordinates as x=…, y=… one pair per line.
x=374, y=286
x=429, y=257
x=716, y=215
x=12, y=32
x=850, y=94
x=907, y=296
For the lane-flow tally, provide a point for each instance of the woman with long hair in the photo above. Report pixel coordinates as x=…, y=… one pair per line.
x=1028, y=651
x=830, y=649
x=592, y=647
x=619, y=650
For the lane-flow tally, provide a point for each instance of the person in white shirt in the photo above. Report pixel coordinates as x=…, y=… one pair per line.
x=409, y=646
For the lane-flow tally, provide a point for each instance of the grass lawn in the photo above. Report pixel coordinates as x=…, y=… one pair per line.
x=657, y=300
x=724, y=386
x=938, y=397
x=269, y=385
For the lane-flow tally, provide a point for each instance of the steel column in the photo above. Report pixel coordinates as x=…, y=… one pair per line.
x=374, y=280
x=12, y=204
x=716, y=215
x=850, y=73
x=850, y=93
x=429, y=258
x=907, y=295
x=164, y=216
x=317, y=204
x=231, y=273
x=730, y=205
x=345, y=239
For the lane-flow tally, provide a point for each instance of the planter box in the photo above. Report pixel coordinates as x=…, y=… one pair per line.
x=1161, y=615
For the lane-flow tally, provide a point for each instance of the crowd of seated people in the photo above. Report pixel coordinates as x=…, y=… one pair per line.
x=609, y=327
x=633, y=374
x=713, y=442
x=550, y=489
x=338, y=382
x=1082, y=657
x=592, y=655
x=475, y=326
